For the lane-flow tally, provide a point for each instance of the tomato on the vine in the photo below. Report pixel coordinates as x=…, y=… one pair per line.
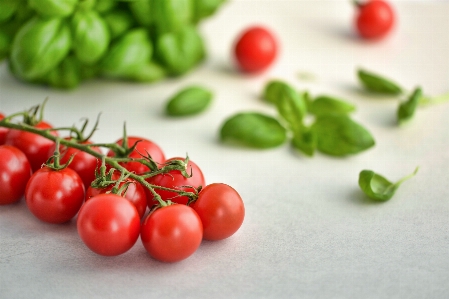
x=221, y=210
x=175, y=180
x=374, y=18
x=108, y=224
x=144, y=147
x=54, y=196
x=135, y=193
x=172, y=233
x=83, y=163
x=35, y=147
x=3, y=131
x=15, y=171
x=255, y=49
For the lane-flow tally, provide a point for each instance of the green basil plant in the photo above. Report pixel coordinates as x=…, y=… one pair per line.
x=138, y=40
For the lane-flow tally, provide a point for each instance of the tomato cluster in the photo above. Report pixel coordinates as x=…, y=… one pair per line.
x=131, y=191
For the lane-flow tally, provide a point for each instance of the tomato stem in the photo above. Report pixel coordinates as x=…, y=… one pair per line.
x=111, y=161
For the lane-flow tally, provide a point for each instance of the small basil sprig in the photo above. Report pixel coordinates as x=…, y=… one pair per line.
x=252, y=129
x=188, y=101
x=377, y=83
x=377, y=187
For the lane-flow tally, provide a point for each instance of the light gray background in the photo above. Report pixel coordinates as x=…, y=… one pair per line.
x=309, y=232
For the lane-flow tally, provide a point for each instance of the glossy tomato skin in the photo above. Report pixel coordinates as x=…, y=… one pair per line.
x=54, y=196
x=144, y=147
x=255, y=49
x=175, y=180
x=15, y=171
x=135, y=193
x=172, y=233
x=3, y=131
x=83, y=163
x=35, y=147
x=108, y=224
x=221, y=211
x=374, y=19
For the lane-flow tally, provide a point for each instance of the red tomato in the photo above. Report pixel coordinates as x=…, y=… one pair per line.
x=3, y=131
x=221, y=210
x=35, y=147
x=83, y=163
x=15, y=171
x=108, y=224
x=54, y=196
x=135, y=193
x=172, y=233
x=255, y=49
x=144, y=147
x=175, y=180
x=374, y=19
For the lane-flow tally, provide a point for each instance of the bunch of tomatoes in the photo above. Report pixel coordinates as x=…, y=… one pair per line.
x=129, y=191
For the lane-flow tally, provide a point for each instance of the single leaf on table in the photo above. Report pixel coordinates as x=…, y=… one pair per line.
x=326, y=105
x=339, y=135
x=407, y=109
x=377, y=187
x=190, y=100
x=378, y=84
x=253, y=129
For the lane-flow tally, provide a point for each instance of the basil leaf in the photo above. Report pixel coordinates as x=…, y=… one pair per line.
x=53, y=8
x=142, y=11
x=291, y=106
x=205, y=8
x=119, y=22
x=252, y=129
x=188, y=101
x=407, y=109
x=39, y=46
x=103, y=6
x=171, y=15
x=378, y=187
x=127, y=55
x=66, y=75
x=326, y=105
x=7, y=9
x=148, y=72
x=339, y=135
x=376, y=83
x=272, y=91
x=305, y=140
x=90, y=36
x=180, y=51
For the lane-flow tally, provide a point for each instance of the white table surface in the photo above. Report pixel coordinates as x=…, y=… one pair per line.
x=309, y=232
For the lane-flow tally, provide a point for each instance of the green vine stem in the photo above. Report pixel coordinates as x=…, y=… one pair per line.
x=111, y=161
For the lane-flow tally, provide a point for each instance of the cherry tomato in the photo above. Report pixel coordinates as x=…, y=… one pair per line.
x=108, y=224
x=35, y=147
x=15, y=171
x=172, y=233
x=221, y=210
x=83, y=163
x=3, y=131
x=175, y=180
x=54, y=196
x=144, y=147
x=374, y=19
x=135, y=193
x=255, y=49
